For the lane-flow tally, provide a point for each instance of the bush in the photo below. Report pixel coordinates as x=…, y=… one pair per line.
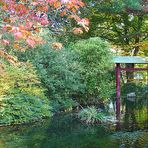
x=129, y=87
x=58, y=72
x=21, y=95
x=80, y=73
x=65, y=105
x=95, y=59
x=23, y=108
x=90, y=115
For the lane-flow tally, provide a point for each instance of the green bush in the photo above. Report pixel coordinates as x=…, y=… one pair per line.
x=129, y=87
x=80, y=73
x=94, y=58
x=21, y=95
x=58, y=71
x=65, y=105
x=90, y=115
x=23, y=109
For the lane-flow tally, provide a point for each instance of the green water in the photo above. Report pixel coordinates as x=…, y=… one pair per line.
x=64, y=131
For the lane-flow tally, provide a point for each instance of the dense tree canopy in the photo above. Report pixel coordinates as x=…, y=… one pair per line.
x=21, y=21
x=124, y=23
x=52, y=78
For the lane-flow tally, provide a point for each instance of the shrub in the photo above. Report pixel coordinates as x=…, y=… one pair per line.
x=80, y=73
x=20, y=79
x=21, y=95
x=129, y=87
x=90, y=115
x=58, y=71
x=95, y=59
x=63, y=105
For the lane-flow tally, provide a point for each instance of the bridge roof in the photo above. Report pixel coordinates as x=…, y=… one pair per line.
x=130, y=59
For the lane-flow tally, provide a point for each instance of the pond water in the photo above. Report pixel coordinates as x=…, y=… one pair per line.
x=64, y=131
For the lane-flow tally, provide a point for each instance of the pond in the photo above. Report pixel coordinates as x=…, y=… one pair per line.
x=64, y=131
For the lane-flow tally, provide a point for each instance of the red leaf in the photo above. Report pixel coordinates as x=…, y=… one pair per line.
x=31, y=42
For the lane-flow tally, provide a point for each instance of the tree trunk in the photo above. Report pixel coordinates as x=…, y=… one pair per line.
x=137, y=38
x=130, y=75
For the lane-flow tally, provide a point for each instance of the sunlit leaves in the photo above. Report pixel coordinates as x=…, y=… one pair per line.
x=8, y=57
x=77, y=30
x=84, y=23
x=57, y=45
x=22, y=98
x=24, y=19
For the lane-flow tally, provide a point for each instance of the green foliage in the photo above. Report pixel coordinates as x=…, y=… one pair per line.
x=21, y=95
x=58, y=71
x=63, y=105
x=133, y=4
x=20, y=79
x=80, y=73
x=121, y=22
x=95, y=59
x=90, y=115
x=138, y=88
x=23, y=108
x=131, y=139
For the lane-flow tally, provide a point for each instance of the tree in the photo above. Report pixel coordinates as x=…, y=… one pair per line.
x=94, y=58
x=22, y=97
x=58, y=71
x=22, y=21
x=121, y=22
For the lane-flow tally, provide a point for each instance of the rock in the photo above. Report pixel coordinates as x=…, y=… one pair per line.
x=131, y=97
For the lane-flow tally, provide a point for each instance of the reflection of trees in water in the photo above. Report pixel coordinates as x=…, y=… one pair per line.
x=135, y=110
x=61, y=132
x=136, y=113
x=130, y=117
x=27, y=136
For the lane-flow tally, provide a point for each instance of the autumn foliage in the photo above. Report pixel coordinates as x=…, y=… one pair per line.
x=22, y=20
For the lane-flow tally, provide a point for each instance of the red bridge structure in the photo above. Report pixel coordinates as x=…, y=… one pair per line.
x=130, y=60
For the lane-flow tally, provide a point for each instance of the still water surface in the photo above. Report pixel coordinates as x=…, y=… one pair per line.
x=65, y=131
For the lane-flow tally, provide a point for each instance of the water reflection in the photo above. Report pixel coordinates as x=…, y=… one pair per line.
x=135, y=114
x=60, y=132
x=130, y=116
x=66, y=132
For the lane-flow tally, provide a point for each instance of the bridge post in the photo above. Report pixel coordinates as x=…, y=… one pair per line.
x=118, y=91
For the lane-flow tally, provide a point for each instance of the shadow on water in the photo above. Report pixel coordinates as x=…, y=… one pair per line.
x=64, y=131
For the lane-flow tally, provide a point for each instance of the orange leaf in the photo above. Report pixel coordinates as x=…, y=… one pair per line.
x=16, y=46
x=63, y=13
x=7, y=20
x=57, y=45
x=57, y=4
x=77, y=30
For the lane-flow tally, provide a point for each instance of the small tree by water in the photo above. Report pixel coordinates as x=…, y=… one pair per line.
x=95, y=59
